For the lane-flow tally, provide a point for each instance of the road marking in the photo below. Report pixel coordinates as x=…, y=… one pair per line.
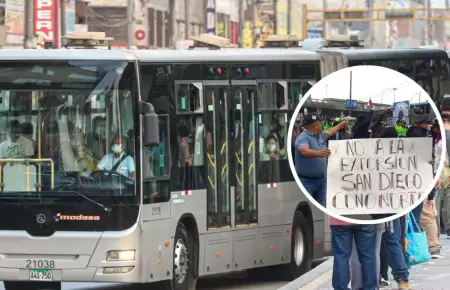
x=437, y=277
x=319, y=281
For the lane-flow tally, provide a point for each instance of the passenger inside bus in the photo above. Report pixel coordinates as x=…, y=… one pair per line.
x=185, y=160
x=278, y=130
x=118, y=160
x=272, y=151
x=17, y=146
x=28, y=131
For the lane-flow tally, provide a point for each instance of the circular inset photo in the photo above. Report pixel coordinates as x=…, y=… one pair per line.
x=364, y=145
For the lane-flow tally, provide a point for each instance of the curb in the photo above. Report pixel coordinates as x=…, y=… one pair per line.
x=310, y=276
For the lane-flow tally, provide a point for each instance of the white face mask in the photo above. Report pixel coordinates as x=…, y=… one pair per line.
x=116, y=148
x=271, y=148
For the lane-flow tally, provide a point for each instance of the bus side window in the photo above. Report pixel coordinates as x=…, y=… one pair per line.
x=188, y=153
x=155, y=164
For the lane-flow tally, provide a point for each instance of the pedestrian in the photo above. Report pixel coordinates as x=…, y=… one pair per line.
x=419, y=130
x=445, y=185
x=343, y=236
x=429, y=212
x=311, y=154
x=388, y=239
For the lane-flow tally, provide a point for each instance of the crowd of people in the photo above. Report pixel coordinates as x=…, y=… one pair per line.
x=364, y=253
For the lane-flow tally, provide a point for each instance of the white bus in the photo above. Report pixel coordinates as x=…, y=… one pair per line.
x=208, y=199
x=202, y=191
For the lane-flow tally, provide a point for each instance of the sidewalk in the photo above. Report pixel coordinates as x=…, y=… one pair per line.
x=432, y=275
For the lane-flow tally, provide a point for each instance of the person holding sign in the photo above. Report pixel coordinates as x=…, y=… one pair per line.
x=311, y=154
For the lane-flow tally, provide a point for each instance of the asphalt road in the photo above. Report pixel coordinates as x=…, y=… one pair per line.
x=232, y=282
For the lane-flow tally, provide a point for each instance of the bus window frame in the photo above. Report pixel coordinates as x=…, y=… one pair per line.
x=288, y=115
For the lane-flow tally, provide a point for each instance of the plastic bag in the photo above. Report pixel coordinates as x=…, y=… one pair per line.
x=416, y=244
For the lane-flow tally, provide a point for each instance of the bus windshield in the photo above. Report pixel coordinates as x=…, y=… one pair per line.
x=67, y=130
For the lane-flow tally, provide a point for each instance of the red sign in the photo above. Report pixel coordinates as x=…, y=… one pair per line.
x=46, y=20
x=234, y=32
x=139, y=34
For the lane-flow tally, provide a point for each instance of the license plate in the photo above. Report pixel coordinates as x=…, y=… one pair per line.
x=41, y=275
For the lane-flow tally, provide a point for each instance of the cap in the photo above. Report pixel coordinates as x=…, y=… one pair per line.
x=310, y=119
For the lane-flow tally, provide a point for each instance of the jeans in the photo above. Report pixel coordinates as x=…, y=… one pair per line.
x=355, y=265
x=317, y=188
x=365, y=237
x=445, y=207
x=384, y=263
x=394, y=251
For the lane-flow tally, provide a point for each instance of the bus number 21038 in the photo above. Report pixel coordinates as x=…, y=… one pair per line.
x=40, y=264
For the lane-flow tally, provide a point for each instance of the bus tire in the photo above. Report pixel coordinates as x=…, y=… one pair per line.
x=183, y=260
x=301, y=247
x=16, y=285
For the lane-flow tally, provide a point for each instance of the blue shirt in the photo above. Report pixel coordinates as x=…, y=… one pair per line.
x=310, y=167
x=125, y=168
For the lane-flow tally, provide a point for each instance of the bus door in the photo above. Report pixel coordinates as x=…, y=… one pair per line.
x=217, y=137
x=243, y=151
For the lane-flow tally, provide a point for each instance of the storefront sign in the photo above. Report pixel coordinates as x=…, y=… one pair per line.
x=45, y=17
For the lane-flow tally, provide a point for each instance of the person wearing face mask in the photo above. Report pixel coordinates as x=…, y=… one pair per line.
x=118, y=160
x=16, y=146
x=311, y=154
x=271, y=152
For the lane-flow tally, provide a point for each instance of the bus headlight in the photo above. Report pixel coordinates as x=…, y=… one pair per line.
x=126, y=255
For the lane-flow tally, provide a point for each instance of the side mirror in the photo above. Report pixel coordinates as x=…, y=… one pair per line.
x=150, y=125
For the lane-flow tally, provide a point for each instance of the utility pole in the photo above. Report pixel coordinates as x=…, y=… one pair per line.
x=29, y=24
x=63, y=17
x=242, y=6
x=324, y=23
x=187, y=19
x=289, y=15
x=130, y=22
x=350, y=95
x=172, y=24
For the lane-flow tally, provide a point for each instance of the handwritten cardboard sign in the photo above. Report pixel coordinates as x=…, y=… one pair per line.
x=369, y=176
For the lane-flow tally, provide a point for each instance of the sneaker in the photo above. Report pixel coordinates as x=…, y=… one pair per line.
x=403, y=285
x=384, y=283
x=436, y=254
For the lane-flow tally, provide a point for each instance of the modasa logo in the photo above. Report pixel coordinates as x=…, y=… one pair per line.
x=69, y=217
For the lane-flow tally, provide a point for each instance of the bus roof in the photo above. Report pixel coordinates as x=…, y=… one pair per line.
x=392, y=54
x=235, y=55
x=65, y=54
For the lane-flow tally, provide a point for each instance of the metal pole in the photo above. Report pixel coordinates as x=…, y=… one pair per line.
x=63, y=18
x=172, y=23
x=289, y=15
x=187, y=18
x=324, y=23
x=350, y=105
x=241, y=22
x=29, y=24
x=130, y=22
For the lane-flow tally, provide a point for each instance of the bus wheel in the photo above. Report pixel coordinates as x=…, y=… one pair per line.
x=183, y=260
x=301, y=247
x=13, y=285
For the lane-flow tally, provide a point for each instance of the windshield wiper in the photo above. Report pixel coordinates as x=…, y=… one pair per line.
x=104, y=207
